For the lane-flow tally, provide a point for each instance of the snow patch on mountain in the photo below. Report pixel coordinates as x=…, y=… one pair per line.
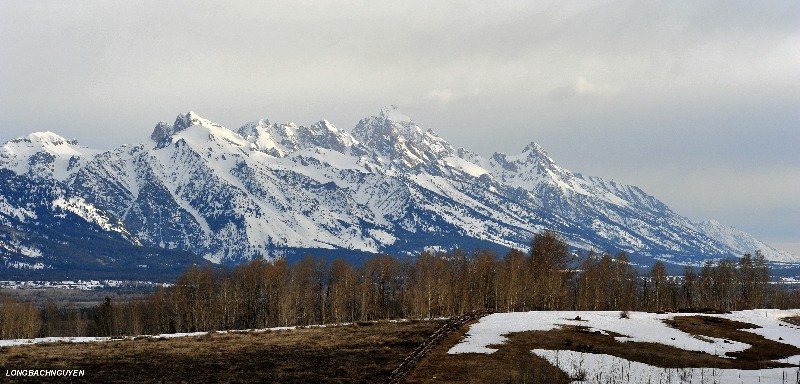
x=468, y=167
x=23, y=265
x=13, y=245
x=90, y=213
x=7, y=210
x=742, y=241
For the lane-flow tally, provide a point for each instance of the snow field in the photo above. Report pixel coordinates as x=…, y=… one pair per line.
x=600, y=368
x=41, y=340
x=640, y=327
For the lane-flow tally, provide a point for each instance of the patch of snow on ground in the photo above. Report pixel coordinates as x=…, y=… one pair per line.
x=770, y=325
x=794, y=360
x=639, y=327
x=79, y=284
x=44, y=340
x=600, y=368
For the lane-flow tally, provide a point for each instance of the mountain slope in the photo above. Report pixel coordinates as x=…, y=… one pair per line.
x=47, y=234
x=390, y=186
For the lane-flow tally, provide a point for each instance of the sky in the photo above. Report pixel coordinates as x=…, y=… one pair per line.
x=696, y=102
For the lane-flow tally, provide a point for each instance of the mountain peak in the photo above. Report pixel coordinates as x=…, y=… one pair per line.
x=532, y=154
x=392, y=113
x=534, y=147
x=325, y=125
x=44, y=155
x=163, y=131
x=398, y=139
x=251, y=129
x=280, y=140
x=186, y=120
x=42, y=141
x=48, y=137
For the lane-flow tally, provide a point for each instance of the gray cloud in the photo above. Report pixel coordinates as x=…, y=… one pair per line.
x=695, y=101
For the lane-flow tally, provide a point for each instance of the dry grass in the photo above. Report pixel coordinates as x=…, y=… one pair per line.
x=513, y=361
x=347, y=354
x=794, y=320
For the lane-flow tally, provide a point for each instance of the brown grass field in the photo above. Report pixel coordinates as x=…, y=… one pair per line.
x=367, y=353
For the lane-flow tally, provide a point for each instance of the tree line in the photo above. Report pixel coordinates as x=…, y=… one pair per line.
x=263, y=294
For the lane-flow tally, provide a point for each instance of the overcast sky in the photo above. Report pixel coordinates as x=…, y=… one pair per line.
x=698, y=103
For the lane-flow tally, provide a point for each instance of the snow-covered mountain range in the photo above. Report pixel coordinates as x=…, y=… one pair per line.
x=230, y=195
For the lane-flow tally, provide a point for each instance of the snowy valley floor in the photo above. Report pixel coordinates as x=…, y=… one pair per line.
x=760, y=346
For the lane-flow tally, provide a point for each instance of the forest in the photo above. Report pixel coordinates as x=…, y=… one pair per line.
x=262, y=294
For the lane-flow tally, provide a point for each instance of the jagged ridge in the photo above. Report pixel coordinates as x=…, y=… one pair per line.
x=391, y=186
